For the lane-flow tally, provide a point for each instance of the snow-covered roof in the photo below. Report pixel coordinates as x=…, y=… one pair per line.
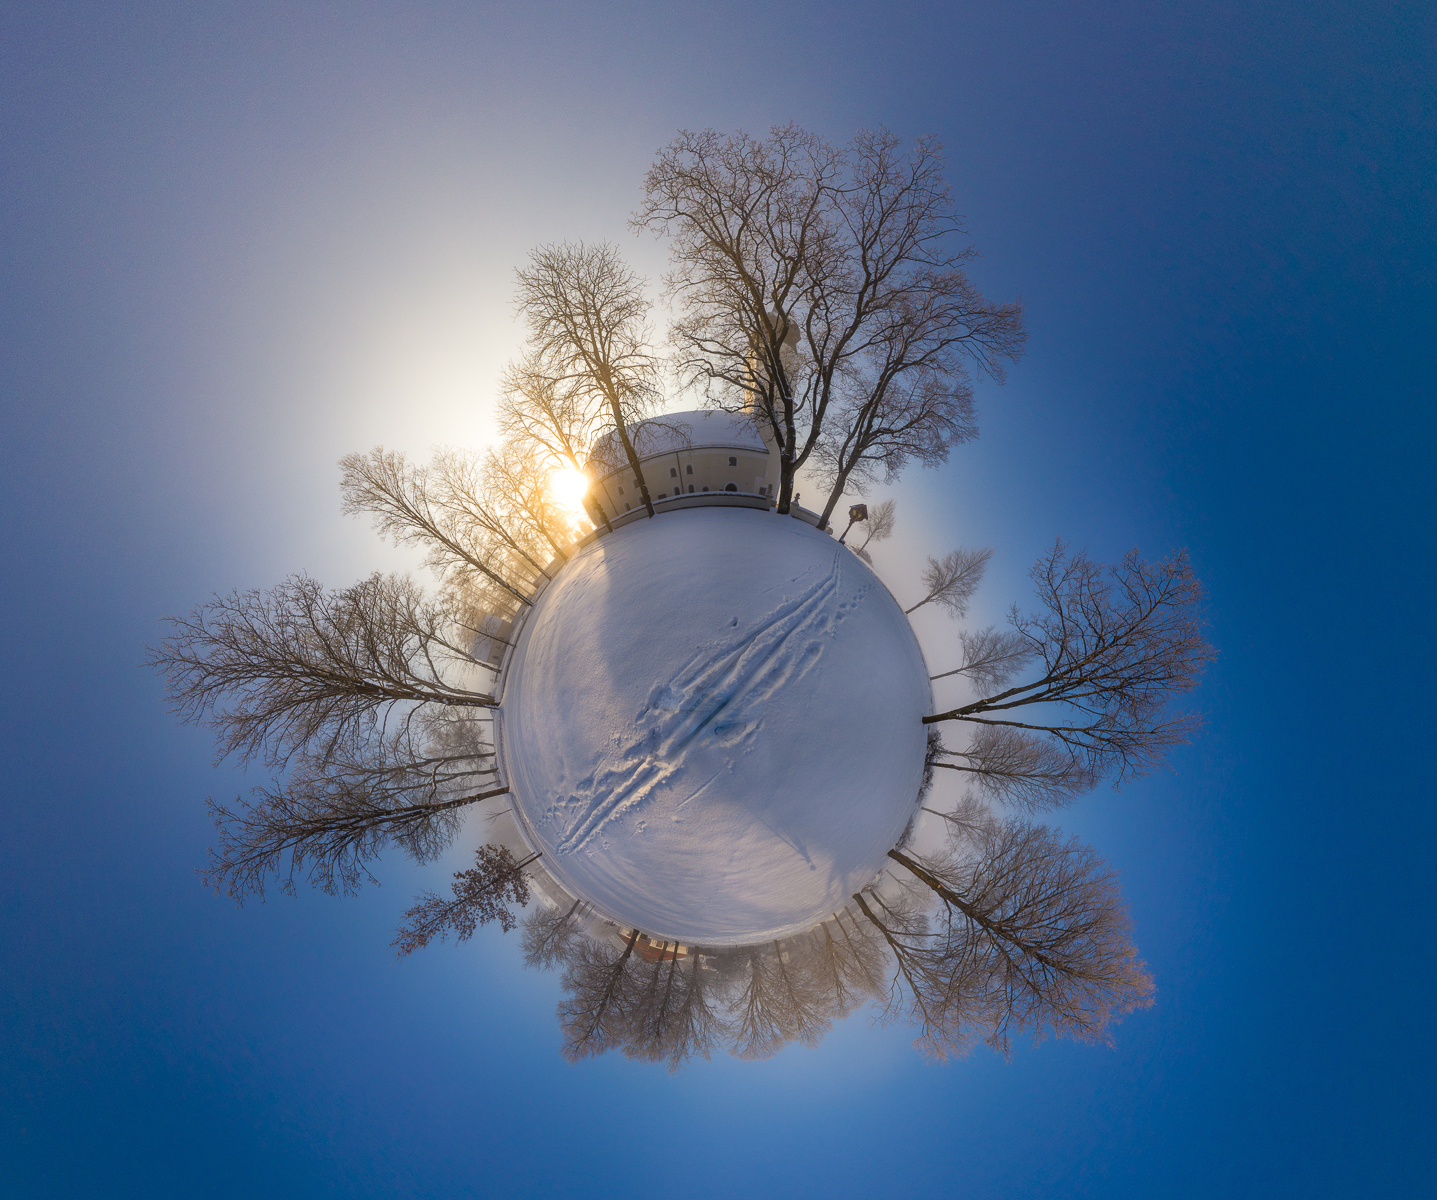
x=699, y=429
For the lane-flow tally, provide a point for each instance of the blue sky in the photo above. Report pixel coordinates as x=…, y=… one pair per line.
x=242, y=240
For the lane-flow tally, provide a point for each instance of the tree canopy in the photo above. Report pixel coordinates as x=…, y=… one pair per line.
x=821, y=291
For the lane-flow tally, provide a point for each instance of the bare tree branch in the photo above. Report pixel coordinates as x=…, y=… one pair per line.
x=970, y=818
x=481, y=894
x=952, y=580
x=1116, y=644
x=432, y=508
x=991, y=656
x=1020, y=769
x=549, y=933
x=589, y=336
x=821, y=290
x=298, y=666
x=556, y=418
x=598, y=989
x=1047, y=921
x=324, y=832
x=777, y=1002
x=930, y=988
x=881, y=519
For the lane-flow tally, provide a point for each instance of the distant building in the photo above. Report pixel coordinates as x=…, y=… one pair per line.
x=684, y=453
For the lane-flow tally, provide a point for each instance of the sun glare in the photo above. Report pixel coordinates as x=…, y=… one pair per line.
x=568, y=488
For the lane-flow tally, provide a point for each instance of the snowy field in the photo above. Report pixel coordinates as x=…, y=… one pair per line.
x=712, y=725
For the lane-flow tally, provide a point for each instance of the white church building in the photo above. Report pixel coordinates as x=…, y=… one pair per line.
x=682, y=454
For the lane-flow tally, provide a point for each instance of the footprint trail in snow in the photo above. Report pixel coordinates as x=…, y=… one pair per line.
x=716, y=698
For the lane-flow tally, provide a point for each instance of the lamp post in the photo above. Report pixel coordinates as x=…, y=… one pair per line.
x=859, y=512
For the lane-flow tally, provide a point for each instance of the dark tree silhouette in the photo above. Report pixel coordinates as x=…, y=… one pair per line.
x=482, y=894
x=823, y=290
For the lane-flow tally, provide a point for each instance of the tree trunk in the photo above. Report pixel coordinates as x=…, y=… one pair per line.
x=877, y=924
x=785, y=479
x=631, y=455
x=938, y=886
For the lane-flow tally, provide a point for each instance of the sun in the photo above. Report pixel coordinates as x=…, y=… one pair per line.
x=568, y=486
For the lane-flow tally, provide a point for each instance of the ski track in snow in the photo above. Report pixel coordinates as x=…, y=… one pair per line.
x=717, y=697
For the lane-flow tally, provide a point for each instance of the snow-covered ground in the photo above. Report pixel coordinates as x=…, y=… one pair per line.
x=712, y=725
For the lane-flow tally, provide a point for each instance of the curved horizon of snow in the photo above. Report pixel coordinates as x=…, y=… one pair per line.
x=712, y=725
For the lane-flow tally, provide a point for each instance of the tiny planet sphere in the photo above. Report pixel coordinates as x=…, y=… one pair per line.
x=712, y=725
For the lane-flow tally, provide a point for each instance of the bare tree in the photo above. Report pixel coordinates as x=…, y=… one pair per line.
x=759, y=1030
x=482, y=894
x=1020, y=769
x=659, y=1006
x=668, y=1018
x=441, y=509
x=598, y=987
x=336, y=812
x=301, y=667
x=1115, y=645
x=694, y=1023
x=310, y=828
x=653, y=1006
x=848, y=969
x=557, y=415
x=952, y=580
x=1043, y=920
x=549, y=933
x=519, y=483
x=776, y=1003
x=991, y=656
x=933, y=990
x=589, y=338
x=968, y=819
x=880, y=526
x=557, y=419
x=822, y=289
